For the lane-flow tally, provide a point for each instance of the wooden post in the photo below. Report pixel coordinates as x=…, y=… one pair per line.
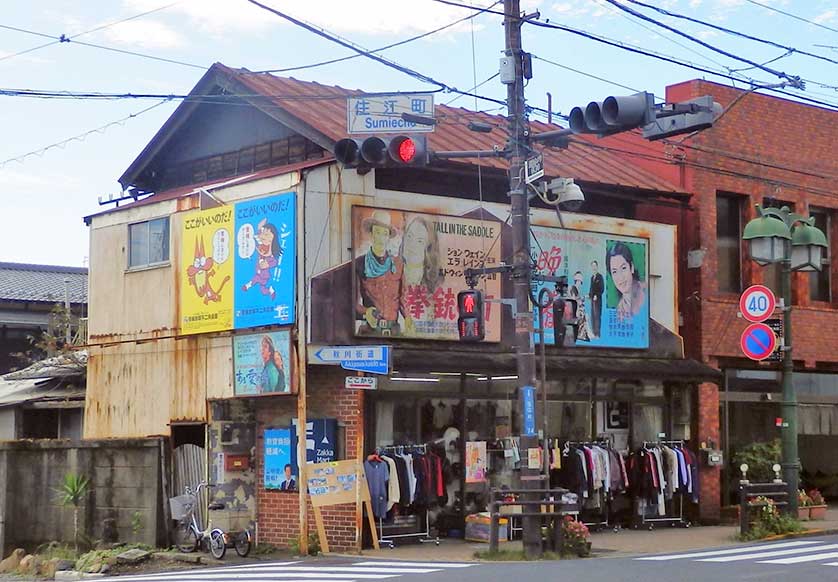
x=359, y=501
x=302, y=365
x=321, y=530
x=493, y=525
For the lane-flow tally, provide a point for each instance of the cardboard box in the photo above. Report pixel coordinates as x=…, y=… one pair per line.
x=478, y=528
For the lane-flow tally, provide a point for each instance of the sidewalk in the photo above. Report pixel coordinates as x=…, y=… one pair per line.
x=606, y=544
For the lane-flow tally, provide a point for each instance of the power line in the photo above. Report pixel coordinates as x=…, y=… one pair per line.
x=592, y=76
x=378, y=50
x=790, y=15
x=731, y=31
x=80, y=137
x=63, y=38
x=366, y=53
x=794, y=80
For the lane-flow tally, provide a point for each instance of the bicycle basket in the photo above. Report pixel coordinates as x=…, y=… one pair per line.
x=181, y=506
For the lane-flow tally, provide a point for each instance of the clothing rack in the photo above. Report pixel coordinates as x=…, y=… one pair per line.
x=425, y=536
x=673, y=520
x=606, y=506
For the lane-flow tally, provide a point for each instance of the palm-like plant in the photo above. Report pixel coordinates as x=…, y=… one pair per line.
x=73, y=490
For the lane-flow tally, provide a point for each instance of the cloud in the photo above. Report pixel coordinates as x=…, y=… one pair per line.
x=827, y=16
x=144, y=33
x=706, y=34
x=378, y=17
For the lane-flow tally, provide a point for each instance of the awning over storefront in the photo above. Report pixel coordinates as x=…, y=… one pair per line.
x=570, y=366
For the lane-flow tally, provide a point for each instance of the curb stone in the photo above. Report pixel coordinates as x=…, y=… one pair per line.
x=68, y=575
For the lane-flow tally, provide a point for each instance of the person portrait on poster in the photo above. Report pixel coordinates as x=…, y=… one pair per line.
x=261, y=363
x=420, y=253
x=626, y=277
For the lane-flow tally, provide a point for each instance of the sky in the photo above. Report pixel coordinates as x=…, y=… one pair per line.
x=45, y=195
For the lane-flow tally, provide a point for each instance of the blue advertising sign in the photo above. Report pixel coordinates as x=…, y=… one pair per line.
x=607, y=276
x=529, y=410
x=321, y=436
x=370, y=359
x=280, y=470
x=265, y=261
x=262, y=363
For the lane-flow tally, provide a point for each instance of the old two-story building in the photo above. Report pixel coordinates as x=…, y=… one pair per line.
x=772, y=151
x=220, y=297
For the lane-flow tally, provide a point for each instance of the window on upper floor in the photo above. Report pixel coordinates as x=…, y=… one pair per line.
x=728, y=242
x=148, y=243
x=819, y=281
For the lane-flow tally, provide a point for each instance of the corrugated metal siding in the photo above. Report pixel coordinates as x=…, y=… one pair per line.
x=189, y=467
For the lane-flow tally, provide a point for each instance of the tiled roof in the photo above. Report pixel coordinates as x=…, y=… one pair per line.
x=25, y=282
x=327, y=115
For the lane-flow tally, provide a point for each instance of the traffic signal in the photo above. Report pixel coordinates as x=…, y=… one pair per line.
x=685, y=117
x=614, y=114
x=564, y=319
x=379, y=151
x=470, y=321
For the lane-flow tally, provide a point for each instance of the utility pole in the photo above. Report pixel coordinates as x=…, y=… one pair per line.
x=519, y=141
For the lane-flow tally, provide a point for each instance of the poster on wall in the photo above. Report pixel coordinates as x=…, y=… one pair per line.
x=321, y=440
x=280, y=471
x=262, y=363
x=265, y=261
x=238, y=265
x=475, y=461
x=408, y=268
x=206, y=274
x=607, y=275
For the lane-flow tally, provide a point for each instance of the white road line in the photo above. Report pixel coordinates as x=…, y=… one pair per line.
x=208, y=574
x=800, y=559
x=724, y=552
x=760, y=555
x=831, y=564
x=416, y=564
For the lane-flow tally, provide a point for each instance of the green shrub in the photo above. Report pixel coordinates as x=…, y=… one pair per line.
x=760, y=457
x=313, y=544
x=769, y=521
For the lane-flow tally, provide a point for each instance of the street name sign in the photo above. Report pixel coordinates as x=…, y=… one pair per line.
x=383, y=113
x=758, y=341
x=757, y=303
x=370, y=359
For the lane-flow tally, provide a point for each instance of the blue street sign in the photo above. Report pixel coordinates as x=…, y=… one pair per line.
x=370, y=359
x=529, y=410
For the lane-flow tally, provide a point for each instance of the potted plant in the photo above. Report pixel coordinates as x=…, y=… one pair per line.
x=817, y=510
x=804, y=503
x=575, y=537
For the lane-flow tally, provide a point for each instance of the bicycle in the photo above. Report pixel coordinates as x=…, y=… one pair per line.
x=188, y=535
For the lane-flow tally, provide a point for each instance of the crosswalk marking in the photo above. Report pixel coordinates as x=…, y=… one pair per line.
x=801, y=559
x=725, y=552
x=296, y=572
x=760, y=555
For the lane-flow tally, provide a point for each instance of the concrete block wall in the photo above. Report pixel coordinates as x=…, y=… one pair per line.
x=125, y=480
x=278, y=511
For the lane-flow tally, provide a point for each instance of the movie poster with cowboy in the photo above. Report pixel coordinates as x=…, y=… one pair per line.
x=607, y=276
x=408, y=268
x=265, y=261
x=206, y=274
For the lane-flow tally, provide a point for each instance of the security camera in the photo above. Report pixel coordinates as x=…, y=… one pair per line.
x=565, y=195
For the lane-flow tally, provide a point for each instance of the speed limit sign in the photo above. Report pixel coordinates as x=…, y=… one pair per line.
x=757, y=303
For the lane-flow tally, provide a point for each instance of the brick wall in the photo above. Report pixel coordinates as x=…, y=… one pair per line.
x=707, y=421
x=278, y=511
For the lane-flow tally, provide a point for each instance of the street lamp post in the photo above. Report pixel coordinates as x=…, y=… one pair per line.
x=778, y=235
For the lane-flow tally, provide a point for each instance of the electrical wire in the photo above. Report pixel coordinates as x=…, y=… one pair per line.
x=731, y=31
x=790, y=15
x=589, y=75
x=378, y=50
x=366, y=53
x=80, y=137
x=66, y=39
x=793, y=79
x=639, y=50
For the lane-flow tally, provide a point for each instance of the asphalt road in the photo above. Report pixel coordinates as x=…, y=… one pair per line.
x=801, y=560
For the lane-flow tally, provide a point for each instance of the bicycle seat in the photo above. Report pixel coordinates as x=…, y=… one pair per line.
x=215, y=505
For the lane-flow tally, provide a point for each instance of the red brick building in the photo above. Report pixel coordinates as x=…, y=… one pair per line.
x=770, y=151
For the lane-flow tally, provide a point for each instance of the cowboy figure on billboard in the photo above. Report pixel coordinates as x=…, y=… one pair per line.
x=379, y=275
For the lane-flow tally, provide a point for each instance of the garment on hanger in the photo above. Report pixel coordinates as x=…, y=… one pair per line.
x=393, y=492
x=377, y=474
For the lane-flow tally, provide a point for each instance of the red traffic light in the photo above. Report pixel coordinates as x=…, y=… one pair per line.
x=470, y=321
x=407, y=151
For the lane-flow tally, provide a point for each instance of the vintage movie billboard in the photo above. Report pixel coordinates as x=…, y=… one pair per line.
x=206, y=274
x=238, y=265
x=408, y=267
x=607, y=275
x=262, y=363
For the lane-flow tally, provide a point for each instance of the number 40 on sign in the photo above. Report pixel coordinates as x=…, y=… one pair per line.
x=757, y=303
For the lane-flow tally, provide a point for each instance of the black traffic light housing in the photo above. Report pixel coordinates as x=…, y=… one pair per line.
x=380, y=151
x=614, y=114
x=471, y=322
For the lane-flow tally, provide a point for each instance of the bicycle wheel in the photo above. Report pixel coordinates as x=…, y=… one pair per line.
x=185, y=537
x=217, y=544
x=242, y=543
